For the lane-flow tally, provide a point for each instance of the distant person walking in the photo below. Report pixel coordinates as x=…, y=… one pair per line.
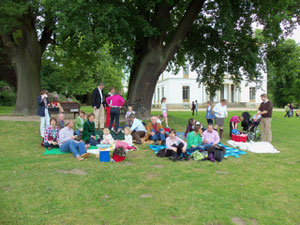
x=196, y=106
x=193, y=108
x=265, y=110
x=98, y=102
x=220, y=111
x=287, y=111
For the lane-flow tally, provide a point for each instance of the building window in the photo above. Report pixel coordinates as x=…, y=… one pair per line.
x=186, y=71
x=186, y=94
x=162, y=92
x=158, y=97
x=252, y=94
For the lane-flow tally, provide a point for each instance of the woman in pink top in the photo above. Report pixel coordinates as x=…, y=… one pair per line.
x=175, y=146
x=115, y=102
x=233, y=124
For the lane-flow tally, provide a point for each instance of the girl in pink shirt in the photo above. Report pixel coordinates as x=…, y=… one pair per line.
x=233, y=124
x=115, y=102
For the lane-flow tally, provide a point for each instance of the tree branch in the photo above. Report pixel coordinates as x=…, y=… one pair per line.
x=46, y=38
x=183, y=27
x=9, y=45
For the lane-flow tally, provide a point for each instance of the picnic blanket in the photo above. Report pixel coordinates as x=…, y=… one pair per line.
x=255, y=147
x=180, y=134
x=230, y=151
x=56, y=151
x=156, y=148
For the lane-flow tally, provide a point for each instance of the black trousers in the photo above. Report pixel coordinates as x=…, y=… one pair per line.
x=48, y=145
x=210, y=121
x=114, y=116
x=170, y=152
x=230, y=129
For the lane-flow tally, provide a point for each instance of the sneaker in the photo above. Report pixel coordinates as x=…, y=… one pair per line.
x=85, y=155
x=174, y=159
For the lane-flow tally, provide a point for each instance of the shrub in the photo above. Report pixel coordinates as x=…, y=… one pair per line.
x=7, y=94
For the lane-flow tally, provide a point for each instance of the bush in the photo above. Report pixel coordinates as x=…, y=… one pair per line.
x=7, y=94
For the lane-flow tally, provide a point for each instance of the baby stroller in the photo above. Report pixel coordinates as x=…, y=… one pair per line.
x=250, y=127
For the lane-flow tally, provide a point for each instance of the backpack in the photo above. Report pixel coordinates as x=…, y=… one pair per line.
x=219, y=153
x=197, y=155
x=161, y=153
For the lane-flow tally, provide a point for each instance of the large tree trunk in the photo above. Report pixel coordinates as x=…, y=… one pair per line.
x=28, y=66
x=143, y=78
x=152, y=59
x=25, y=52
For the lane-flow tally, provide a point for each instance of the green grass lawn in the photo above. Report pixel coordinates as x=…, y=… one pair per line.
x=6, y=110
x=255, y=188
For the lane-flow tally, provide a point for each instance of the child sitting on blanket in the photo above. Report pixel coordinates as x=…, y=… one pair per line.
x=107, y=138
x=127, y=143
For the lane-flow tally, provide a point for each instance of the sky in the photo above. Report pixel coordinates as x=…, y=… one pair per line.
x=296, y=35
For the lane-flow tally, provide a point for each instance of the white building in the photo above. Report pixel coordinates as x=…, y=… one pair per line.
x=183, y=88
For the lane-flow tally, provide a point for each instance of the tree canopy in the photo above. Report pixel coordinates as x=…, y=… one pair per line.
x=145, y=36
x=283, y=63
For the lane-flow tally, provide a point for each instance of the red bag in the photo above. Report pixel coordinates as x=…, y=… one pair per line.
x=118, y=158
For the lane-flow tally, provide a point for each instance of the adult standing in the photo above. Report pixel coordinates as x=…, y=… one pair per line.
x=287, y=110
x=110, y=93
x=98, y=102
x=42, y=111
x=196, y=106
x=265, y=110
x=115, y=102
x=220, y=111
x=193, y=108
x=137, y=129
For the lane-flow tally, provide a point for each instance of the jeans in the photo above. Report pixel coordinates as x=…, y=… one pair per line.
x=157, y=136
x=77, y=148
x=45, y=122
x=197, y=111
x=199, y=148
x=77, y=132
x=114, y=116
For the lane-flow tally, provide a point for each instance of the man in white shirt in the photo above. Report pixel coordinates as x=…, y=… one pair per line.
x=137, y=128
x=67, y=142
x=98, y=101
x=220, y=111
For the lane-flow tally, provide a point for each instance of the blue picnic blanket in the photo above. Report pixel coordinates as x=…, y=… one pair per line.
x=230, y=151
x=156, y=148
x=180, y=134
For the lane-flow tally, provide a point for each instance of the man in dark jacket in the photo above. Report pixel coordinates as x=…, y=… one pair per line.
x=265, y=110
x=98, y=102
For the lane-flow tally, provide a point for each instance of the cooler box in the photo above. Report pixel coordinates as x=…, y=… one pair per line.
x=104, y=155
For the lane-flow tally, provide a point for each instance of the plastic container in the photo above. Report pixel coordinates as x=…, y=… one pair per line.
x=239, y=138
x=104, y=156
